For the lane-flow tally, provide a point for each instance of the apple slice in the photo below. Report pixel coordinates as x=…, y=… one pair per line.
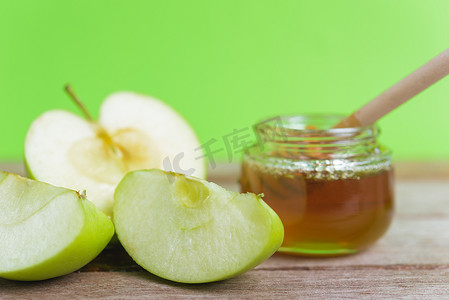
x=47, y=231
x=189, y=230
x=133, y=132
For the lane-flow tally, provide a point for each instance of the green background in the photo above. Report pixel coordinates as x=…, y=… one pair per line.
x=225, y=64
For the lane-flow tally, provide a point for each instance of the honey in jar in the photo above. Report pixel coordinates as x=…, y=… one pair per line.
x=332, y=188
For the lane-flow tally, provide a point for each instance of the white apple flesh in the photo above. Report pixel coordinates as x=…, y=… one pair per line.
x=189, y=230
x=133, y=132
x=47, y=231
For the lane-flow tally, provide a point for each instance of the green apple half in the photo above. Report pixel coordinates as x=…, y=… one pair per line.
x=189, y=230
x=133, y=132
x=47, y=231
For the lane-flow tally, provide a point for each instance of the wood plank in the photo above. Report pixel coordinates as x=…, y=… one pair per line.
x=13, y=167
x=282, y=283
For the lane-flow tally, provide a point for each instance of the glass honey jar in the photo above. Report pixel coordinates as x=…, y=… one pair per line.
x=332, y=188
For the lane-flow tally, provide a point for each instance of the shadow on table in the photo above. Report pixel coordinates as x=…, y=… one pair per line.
x=113, y=260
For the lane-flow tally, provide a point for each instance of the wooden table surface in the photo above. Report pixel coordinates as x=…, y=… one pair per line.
x=410, y=261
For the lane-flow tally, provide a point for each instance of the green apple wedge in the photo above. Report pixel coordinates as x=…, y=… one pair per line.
x=189, y=230
x=47, y=231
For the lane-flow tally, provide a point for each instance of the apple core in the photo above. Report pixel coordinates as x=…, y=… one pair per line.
x=108, y=157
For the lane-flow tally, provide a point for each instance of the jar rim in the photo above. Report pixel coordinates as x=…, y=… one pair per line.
x=299, y=147
x=302, y=119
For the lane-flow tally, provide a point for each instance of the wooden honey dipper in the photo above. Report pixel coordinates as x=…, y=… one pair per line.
x=434, y=70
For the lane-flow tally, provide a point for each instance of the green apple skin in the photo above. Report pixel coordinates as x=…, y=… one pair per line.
x=85, y=231
x=28, y=172
x=193, y=232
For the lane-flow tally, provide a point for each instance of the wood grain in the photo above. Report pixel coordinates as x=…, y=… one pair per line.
x=410, y=261
x=265, y=284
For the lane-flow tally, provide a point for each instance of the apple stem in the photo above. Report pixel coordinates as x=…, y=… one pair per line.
x=101, y=132
x=78, y=102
